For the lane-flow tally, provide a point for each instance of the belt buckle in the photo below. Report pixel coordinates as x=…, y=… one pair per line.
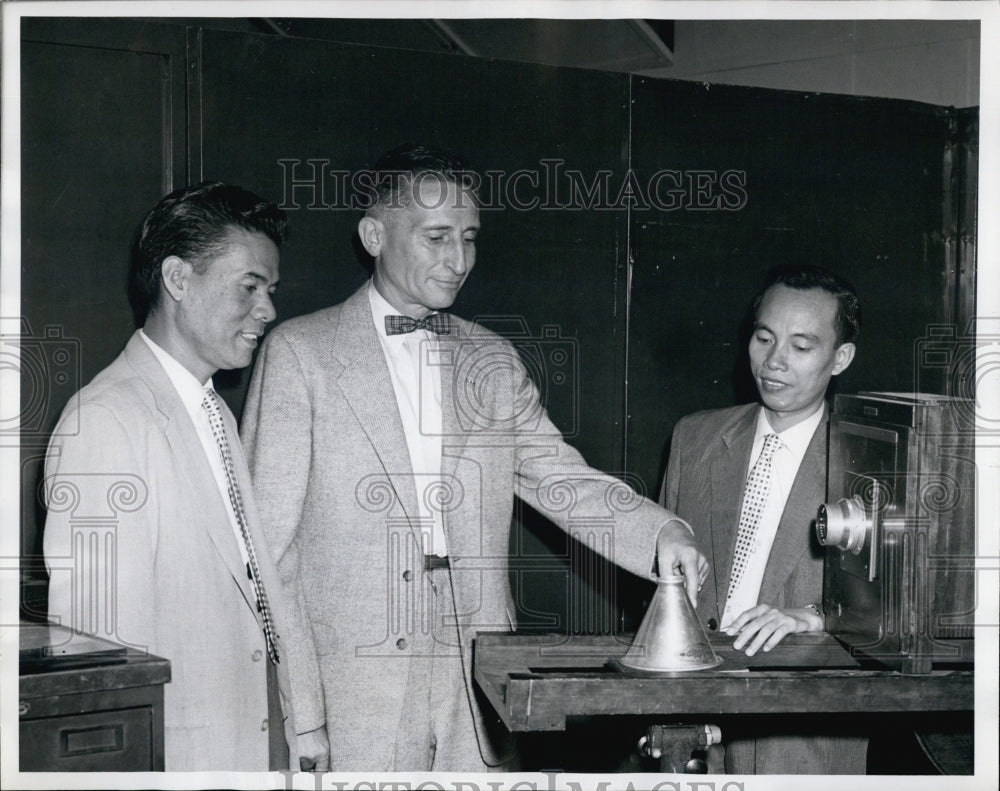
x=432, y=562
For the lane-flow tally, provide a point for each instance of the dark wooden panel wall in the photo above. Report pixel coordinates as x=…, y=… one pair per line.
x=866, y=187
x=102, y=140
x=276, y=112
x=859, y=185
x=535, y=268
x=128, y=109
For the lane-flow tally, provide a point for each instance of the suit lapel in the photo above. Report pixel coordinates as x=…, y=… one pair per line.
x=187, y=448
x=729, y=472
x=794, y=534
x=368, y=391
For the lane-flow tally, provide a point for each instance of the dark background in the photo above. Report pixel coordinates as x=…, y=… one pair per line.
x=122, y=111
x=650, y=304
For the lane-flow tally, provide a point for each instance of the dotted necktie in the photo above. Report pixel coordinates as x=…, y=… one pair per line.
x=754, y=500
x=211, y=406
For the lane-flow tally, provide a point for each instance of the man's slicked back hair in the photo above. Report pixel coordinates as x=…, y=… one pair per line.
x=847, y=320
x=195, y=224
x=396, y=171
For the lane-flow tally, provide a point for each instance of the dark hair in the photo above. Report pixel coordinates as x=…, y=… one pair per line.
x=847, y=321
x=195, y=223
x=396, y=170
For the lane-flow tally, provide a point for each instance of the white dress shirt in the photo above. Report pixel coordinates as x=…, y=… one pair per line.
x=192, y=393
x=417, y=387
x=784, y=467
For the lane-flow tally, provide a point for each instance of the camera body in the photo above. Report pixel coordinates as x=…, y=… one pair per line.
x=899, y=529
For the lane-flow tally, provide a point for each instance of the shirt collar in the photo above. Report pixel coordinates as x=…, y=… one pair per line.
x=190, y=390
x=797, y=437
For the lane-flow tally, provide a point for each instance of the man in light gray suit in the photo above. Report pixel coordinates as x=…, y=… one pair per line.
x=388, y=441
x=152, y=537
x=805, y=323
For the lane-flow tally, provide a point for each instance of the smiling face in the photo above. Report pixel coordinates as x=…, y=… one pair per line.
x=794, y=352
x=425, y=250
x=221, y=311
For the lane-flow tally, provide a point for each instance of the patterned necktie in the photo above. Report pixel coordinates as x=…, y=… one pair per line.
x=439, y=323
x=211, y=406
x=754, y=500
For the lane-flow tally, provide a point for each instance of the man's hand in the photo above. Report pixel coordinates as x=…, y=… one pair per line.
x=676, y=553
x=314, y=750
x=764, y=626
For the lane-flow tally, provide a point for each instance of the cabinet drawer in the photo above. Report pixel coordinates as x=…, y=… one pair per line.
x=105, y=741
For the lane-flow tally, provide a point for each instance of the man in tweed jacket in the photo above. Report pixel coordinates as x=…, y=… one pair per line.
x=388, y=442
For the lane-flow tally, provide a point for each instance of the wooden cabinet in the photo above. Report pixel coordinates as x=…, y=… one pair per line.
x=88, y=705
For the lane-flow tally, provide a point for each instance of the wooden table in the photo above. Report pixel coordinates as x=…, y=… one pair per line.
x=87, y=704
x=536, y=682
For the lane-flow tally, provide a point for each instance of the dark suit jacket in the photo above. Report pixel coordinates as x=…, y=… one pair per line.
x=709, y=456
x=704, y=483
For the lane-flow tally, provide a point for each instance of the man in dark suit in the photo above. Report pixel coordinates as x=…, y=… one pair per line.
x=182, y=569
x=388, y=441
x=749, y=479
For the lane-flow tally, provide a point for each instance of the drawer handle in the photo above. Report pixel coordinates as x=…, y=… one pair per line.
x=86, y=741
x=23, y=707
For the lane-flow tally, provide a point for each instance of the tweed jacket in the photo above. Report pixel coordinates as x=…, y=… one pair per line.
x=709, y=454
x=140, y=549
x=329, y=457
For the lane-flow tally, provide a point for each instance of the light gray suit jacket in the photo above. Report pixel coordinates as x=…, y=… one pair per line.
x=329, y=459
x=141, y=550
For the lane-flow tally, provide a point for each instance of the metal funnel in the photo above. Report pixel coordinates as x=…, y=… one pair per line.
x=670, y=638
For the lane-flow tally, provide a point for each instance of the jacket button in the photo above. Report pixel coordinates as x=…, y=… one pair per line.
x=713, y=624
x=257, y=655
x=401, y=644
x=263, y=725
x=407, y=575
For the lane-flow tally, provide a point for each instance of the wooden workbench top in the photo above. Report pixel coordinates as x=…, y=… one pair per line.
x=535, y=682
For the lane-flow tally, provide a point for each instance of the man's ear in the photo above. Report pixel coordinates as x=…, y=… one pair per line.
x=842, y=358
x=174, y=273
x=372, y=233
